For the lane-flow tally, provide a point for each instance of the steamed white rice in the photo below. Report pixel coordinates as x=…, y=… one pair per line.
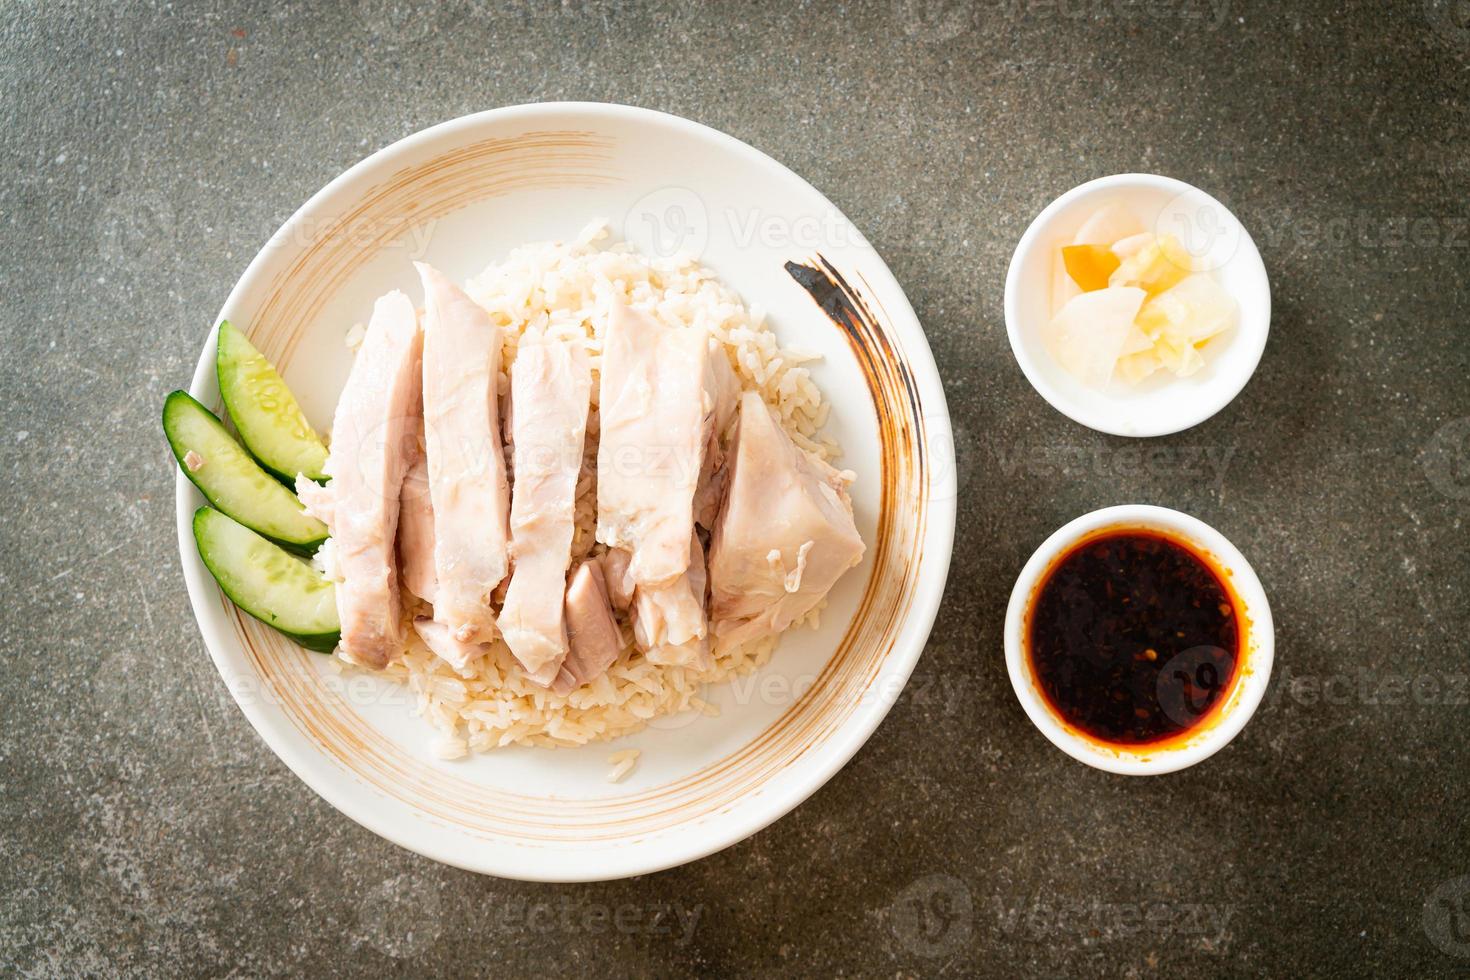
x=565, y=288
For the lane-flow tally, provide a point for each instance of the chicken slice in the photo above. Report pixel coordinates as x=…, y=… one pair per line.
x=616, y=578
x=721, y=395
x=441, y=642
x=648, y=461
x=416, y=531
x=467, y=482
x=554, y=677
x=784, y=536
x=551, y=385
x=591, y=629
x=372, y=443
x=668, y=620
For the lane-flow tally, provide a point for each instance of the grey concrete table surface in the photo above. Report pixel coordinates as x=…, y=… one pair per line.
x=149, y=150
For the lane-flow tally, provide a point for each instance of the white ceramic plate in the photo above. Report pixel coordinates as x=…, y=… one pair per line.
x=460, y=195
x=1219, y=244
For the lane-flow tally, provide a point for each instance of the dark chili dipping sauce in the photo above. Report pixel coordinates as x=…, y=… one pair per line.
x=1133, y=637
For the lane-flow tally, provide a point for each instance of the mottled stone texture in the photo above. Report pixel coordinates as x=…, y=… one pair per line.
x=146, y=152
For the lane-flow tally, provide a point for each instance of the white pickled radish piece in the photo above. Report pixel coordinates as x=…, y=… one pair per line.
x=1127, y=247
x=1136, y=342
x=1192, y=312
x=1182, y=359
x=1107, y=225
x=1133, y=368
x=1087, y=336
x=1063, y=286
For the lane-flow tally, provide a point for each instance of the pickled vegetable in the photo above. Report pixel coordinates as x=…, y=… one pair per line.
x=1090, y=265
x=1159, y=265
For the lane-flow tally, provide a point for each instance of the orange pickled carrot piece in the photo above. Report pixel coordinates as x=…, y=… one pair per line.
x=1089, y=265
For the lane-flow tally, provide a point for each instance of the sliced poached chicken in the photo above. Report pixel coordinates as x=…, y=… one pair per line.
x=668, y=620
x=651, y=406
x=468, y=491
x=784, y=535
x=721, y=396
x=416, y=530
x=591, y=629
x=374, y=432
x=616, y=578
x=550, y=390
x=441, y=642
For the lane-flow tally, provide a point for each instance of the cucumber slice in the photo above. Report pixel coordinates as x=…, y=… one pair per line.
x=278, y=589
x=231, y=480
x=265, y=413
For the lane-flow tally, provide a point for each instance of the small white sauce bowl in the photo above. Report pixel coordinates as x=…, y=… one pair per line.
x=1162, y=403
x=1224, y=720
